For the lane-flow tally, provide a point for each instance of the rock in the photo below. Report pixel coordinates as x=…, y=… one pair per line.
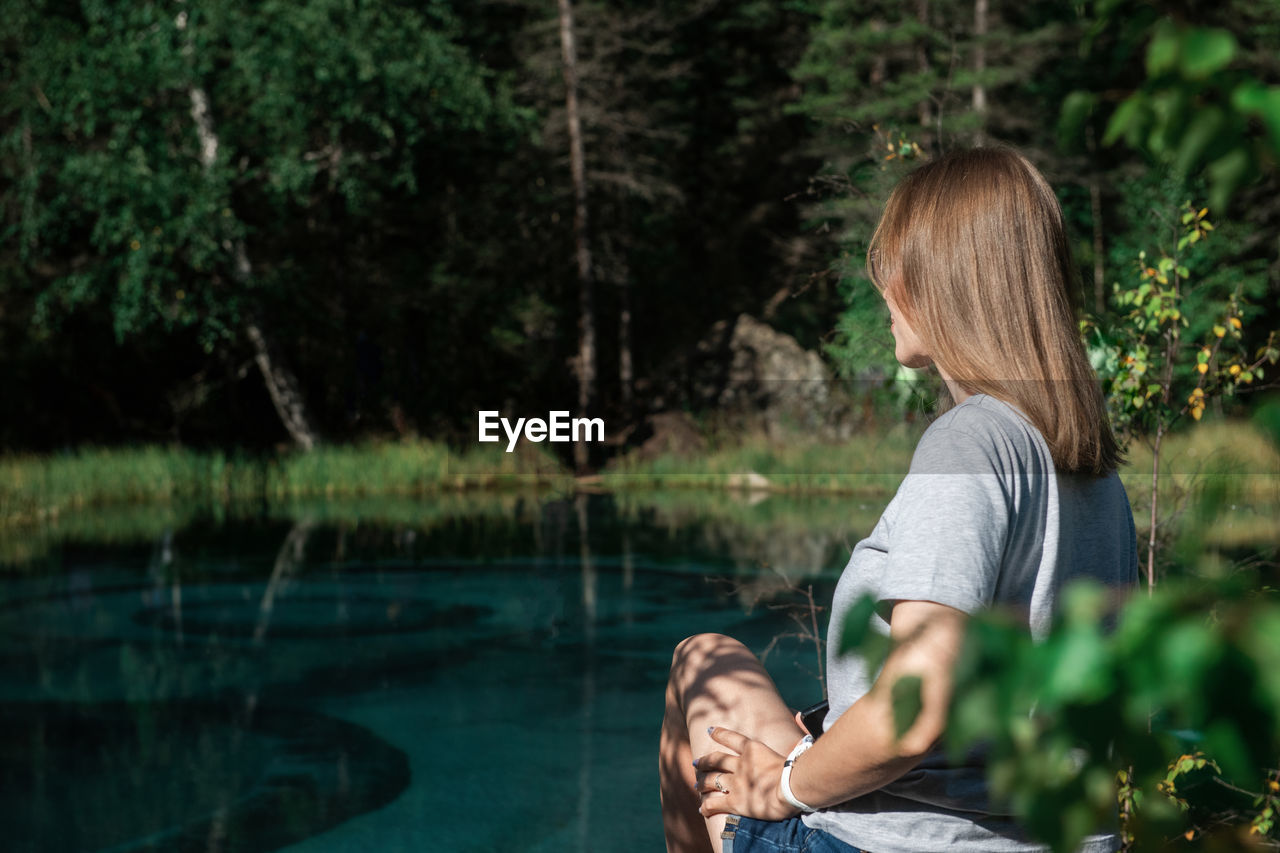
x=752, y=373
x=750, y=482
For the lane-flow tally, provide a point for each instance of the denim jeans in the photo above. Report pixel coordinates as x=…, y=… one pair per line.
x=748, y=835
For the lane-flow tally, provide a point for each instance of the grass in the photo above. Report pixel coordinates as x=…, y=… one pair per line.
x=102, y=495
x=36, y=488
x=1234, y=461
x=870, y=465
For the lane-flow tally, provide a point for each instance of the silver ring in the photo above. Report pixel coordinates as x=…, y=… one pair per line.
x=719, y=785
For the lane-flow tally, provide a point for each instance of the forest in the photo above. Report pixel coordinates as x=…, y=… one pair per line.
x=281, y=223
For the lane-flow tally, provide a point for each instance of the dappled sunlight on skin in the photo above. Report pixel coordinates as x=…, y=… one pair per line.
x=715, y=681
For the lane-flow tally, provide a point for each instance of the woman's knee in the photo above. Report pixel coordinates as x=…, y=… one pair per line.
x=701, y=647
x=701, y=656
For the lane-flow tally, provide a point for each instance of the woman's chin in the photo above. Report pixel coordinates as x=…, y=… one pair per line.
x=914, y=361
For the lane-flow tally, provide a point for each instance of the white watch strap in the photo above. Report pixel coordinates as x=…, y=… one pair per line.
x=785, y=784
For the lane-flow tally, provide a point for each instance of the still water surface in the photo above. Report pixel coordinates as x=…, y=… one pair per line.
x=485, y=681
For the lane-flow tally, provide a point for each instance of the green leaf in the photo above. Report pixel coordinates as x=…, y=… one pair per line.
x=1226, y=174
x=1205, y=51
x=1253, y=98
x=907, y=703
x=1205, y=127
x=860, y=636
x=857, y=624
x=1127, y=120
x=1162, y=52
x=1075, y=111
x=1079, y=670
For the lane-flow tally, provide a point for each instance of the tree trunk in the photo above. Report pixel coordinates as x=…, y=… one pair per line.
x=880, y=66
x=282, y=385
x=1095, y=212
x=626, y=374
x=586, y=362
x=1155, y=504
x=980, y=66
x=922, y=60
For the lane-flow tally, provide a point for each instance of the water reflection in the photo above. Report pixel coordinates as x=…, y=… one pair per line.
x=175, y=692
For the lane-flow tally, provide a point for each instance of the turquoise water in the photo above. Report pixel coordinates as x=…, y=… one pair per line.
x=481, y=683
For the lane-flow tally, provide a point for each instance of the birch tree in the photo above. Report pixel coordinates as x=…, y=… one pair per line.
x=282, y=385
x=201, y=181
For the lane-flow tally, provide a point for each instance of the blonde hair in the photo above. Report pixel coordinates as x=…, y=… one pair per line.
x=973, y=250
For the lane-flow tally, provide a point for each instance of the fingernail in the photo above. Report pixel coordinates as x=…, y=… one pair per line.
x=695, y=762
x=710, y=729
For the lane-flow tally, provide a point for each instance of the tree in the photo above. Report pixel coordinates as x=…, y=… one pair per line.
x=281, y=384
x=324, y=116
x=887, y=85
x=586, y=362
x=1157, y=364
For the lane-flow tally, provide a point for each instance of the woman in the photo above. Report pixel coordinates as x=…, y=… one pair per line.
x=1011, y=494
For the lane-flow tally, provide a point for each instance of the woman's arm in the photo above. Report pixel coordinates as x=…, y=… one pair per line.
x=861, y=751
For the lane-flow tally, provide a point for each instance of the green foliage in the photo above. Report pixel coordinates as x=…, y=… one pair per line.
x=907, y=703
x=1175, y=345
x=1203, y=107
x=1155, y=365
x=33, y=488
x=330, y=121
x=1184, y=692
x=322, y=97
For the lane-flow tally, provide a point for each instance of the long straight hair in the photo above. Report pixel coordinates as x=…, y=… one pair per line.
x=973, y=249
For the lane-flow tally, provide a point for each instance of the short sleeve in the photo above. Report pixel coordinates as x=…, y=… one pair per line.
x=952, y=520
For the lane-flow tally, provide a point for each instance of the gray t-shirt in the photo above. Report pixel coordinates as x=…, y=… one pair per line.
x=982, y=519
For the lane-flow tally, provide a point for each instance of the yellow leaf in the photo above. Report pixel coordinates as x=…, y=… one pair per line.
x=1234, y=370
x=1197, y=412
x=1202, y=212
x=1235, y=322
x=1219, y=331
x=1203, y=368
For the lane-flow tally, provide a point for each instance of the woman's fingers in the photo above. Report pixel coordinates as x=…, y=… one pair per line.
x=715, y=761
x=716, y=803
x=735, y=741
x=716, y=782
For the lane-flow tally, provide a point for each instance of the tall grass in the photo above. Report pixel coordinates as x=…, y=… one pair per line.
x=871, y=464
x=33, y=488
x=732, y=479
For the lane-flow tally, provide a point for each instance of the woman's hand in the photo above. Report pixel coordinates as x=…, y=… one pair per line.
x=749, y=780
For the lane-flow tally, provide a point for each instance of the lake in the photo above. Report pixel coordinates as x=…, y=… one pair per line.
x=468, y=674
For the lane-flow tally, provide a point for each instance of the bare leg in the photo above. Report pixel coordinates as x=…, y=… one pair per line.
x=715, y=681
